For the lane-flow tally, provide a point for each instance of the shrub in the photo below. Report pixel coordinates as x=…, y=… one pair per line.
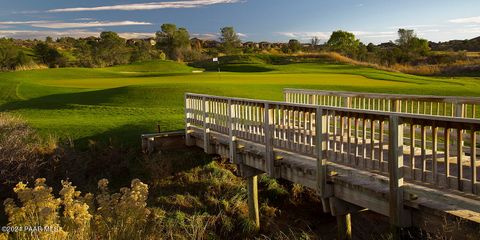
x=19, y=158
x=122, y=215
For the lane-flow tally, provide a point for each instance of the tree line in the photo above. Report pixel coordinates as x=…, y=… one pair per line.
x=110, y=49
x=175, y=43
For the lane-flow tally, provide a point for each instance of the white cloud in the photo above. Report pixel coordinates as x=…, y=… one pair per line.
x=466, y=20
x=242, y=35
x=57, y=25
x=415, y=26
x=40, y=34
x=22, y=22
x=206, y=36
x=84, y=19
x=365, y=34
x=148, y=6
x=60, y=25
x=213, y=36
x=305, y=35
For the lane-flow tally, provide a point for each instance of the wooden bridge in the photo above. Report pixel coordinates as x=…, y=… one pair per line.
x=411, y=158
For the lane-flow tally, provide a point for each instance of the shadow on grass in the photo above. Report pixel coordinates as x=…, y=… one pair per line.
x=65, y=100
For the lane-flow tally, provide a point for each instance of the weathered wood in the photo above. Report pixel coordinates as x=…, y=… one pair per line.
x=253, y=210
x=206, y=130
x=459, y=159
x=473, y=160
x=434, y=154
x=418, y=103
x=344, y=226
x=321, y=150
x=293, y=140
x=268, y=134
x=395, y=158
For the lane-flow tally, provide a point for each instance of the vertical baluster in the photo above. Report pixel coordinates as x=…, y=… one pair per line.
x=372, y=142
x=303, y=131
x=327, y=125
x=473, y=159
x=438, y=108
x=295, y=128
x=349, y=139
x=284, y=127
x=258, y=120
x=431, y=108
x=434, y=154
x=423, y=151
x=447, y=155
x=412, y=151
x=380, y=146
x=459, y=158
x=290, y=137
x=312, y=130
x=356, y=155
x=335, y=146
x=342, y=133
x=364, y=142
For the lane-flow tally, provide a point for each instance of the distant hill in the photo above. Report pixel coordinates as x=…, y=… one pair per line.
x=472, y=45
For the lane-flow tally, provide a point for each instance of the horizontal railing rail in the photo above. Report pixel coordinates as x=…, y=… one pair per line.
x=465, y=107
x=437, y=151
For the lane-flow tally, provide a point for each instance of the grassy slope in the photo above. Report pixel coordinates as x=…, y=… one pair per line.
x=124, y=101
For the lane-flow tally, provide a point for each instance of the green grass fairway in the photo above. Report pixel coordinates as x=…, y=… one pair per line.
x=124, y=101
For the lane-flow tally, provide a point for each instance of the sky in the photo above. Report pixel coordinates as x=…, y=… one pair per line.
x=255, y=20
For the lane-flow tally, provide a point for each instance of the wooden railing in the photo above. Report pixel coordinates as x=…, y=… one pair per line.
x=443, y=155
x=466, y=107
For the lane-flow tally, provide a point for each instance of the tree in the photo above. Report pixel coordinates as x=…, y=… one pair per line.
x=49, y=55
x=344, y=43
x=230, y=40
x=111, y=50
x=314, y=42
x=172, y=40
x=49, y=40
x=294, y=46
x=84, y=52
x=412, y=47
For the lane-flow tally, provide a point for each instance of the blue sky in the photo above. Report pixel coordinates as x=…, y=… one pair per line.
x=256, y=20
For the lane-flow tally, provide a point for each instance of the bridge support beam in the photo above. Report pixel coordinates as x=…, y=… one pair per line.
x=253, y=210
x=344, y=225
x=251, y=174
x=342, y=210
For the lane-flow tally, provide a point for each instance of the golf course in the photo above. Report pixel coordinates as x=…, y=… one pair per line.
x=121, y=102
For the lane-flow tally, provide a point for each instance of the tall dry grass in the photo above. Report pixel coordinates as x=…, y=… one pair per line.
x=459, y=67
x=19, y=144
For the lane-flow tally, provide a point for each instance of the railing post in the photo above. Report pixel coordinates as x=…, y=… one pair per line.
x=459, y=109
x=233, y=143
x=395, y=105
x=347, y=102
x=188, y=139
x=267, y=128
x=395, y=165
x=206, y=131
x=321, y=137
